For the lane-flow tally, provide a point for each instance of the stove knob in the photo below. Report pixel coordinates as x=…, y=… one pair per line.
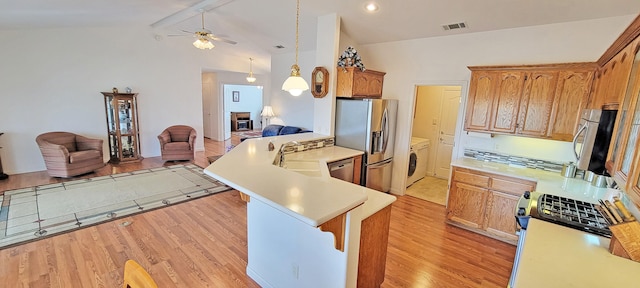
x=526, y=195
x=522, y=211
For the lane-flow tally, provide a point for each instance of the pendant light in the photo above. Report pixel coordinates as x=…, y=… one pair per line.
x=250, y=78
x=295, y=84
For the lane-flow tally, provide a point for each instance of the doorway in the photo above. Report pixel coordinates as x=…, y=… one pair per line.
x=435, y=119
x=244, y=99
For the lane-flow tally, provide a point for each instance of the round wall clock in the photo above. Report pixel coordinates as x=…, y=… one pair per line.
x=319, y=82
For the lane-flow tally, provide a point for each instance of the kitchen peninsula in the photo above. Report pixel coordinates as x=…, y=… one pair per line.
x=305, y=229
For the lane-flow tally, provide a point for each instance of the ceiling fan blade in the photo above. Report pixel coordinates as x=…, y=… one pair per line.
x=214, y=37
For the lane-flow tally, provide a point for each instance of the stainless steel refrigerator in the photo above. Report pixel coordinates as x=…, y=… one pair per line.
x=369, y=125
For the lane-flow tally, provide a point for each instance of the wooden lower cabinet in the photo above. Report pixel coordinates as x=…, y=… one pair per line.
x=499, y=217
x=374, y=237
x=467, y=204
x=485, y=203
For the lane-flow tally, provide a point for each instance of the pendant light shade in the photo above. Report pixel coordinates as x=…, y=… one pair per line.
x=295, y=84
x=250, y=77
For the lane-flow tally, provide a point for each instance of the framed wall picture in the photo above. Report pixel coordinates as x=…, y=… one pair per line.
x=236, y=96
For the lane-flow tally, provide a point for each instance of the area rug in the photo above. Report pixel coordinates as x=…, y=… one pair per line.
x=248, y=134
x=41, y=211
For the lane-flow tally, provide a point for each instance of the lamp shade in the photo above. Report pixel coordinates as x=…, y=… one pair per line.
x=202, y=43
x=251, y=78
x=267, y=111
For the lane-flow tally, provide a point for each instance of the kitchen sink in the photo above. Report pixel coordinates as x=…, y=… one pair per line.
x=301, y=165
x=309, y=168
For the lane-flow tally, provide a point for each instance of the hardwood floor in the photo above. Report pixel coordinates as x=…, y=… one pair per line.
x=202, y=243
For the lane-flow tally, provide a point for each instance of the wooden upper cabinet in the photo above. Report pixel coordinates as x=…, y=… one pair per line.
x=572, y=93
x=536, y=104
x=541, y=101
x=352, y=82
x=506, y=101
x=480, y=103
x=612, y=79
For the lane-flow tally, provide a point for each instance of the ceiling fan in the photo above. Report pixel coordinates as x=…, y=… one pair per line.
x=204, y=37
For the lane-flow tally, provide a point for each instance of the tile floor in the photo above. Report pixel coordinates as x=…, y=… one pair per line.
x=431, y=189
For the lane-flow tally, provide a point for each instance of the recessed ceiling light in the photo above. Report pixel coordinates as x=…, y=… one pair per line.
x=372, y=7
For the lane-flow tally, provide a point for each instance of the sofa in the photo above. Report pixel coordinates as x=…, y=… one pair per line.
x=275, y=130
x=66, y=154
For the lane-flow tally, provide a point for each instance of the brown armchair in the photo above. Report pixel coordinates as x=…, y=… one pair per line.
x=66, y=154
x=177, y=143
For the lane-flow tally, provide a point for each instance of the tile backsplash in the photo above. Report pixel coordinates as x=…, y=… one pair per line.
x=512, y=160
x=313, y=144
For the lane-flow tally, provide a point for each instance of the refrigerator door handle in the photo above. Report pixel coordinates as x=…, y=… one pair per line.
x=575, y=139
x=380, y=164
x=385, y=130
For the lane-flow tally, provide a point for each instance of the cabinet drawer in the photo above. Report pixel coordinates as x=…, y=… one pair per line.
x=469, y=178
x=511, y=186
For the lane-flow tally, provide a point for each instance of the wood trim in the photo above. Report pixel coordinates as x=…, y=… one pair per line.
x=374, y=239
x=336, y=226
x=554, y=66
x=245, y=197
x=627, y=36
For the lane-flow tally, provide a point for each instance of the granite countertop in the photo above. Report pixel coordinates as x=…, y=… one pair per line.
x=313, y=200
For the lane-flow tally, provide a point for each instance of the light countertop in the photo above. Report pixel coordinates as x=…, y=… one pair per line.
x=313, y=200
x=557, y=256
x=548, y=182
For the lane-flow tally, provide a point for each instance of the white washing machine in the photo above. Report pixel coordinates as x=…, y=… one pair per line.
x=417, y=159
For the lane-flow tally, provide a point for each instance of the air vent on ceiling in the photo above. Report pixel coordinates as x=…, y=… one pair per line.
x=454, y=26
x=279, y=46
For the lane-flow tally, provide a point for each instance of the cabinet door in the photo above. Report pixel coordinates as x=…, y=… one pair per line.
x=467, y=204
x=620, y=69
x=375, y=86
x=499, y=219
x=537, y=101
x=481, y=91
x=506, y=101
x=571, y=97
x=360, y=84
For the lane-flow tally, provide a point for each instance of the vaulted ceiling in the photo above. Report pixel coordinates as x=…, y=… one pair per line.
x=260, y=25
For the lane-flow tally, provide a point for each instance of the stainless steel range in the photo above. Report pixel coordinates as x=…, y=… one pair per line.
x=560, y=210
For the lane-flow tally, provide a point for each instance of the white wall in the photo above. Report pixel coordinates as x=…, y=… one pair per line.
x=292, y=110
x=52, y=78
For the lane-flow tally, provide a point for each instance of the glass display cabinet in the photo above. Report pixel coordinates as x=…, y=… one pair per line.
x=122, y=126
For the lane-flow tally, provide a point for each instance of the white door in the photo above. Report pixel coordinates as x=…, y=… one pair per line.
x=450, y=103
x=227, y=114
x=207, y=124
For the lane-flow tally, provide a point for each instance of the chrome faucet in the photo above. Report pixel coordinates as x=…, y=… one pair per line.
x=284, y=146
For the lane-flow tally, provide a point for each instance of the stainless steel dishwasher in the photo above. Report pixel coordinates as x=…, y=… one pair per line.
x=342, y=169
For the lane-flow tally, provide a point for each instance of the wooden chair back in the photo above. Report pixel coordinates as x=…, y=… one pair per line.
x=135, y=276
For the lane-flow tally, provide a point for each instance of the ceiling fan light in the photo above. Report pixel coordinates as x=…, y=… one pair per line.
x=203, y=43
